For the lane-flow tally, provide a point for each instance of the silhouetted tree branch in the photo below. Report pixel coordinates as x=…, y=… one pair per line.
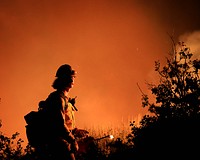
x=173, y=127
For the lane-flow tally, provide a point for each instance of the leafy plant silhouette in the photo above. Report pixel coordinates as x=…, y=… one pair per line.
x=10, y=147
x=171, y=130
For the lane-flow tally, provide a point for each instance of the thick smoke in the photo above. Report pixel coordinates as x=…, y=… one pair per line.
x=192, y=40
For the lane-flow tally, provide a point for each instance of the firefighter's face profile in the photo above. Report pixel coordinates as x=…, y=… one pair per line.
x=70, y=82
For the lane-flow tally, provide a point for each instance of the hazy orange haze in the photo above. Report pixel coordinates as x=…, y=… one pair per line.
x=111, y=44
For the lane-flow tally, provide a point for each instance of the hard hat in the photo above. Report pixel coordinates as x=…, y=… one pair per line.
x=65, y=70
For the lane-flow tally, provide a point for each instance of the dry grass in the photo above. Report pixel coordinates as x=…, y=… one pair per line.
x=118, y=131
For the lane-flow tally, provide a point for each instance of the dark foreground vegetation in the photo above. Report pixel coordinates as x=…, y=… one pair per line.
x=171, y=130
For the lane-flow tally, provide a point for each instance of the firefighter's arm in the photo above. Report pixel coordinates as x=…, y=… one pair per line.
x=68, y=134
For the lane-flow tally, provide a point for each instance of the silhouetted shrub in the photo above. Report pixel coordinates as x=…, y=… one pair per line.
x=10, y=147
x=171, y=130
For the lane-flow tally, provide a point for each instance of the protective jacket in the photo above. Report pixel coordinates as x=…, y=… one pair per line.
x=61, y=115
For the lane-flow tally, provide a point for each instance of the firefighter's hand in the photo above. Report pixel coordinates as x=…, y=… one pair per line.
x=80, y=133
x=72, y=101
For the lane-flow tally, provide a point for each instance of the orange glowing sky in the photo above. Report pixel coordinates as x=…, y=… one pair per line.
x=111, y=43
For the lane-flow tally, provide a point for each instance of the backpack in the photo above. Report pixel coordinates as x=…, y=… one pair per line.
x=37, y=130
